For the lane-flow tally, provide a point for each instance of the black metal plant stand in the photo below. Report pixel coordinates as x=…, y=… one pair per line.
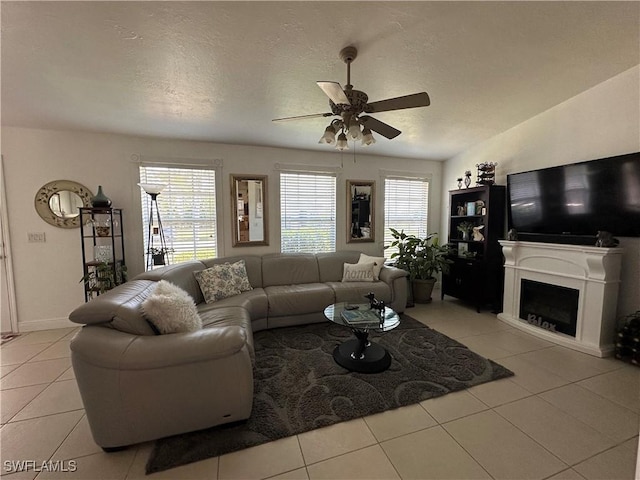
x=154, y=258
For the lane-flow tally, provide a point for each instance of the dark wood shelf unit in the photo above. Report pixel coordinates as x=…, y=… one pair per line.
x=102, y=241
x=477, y=277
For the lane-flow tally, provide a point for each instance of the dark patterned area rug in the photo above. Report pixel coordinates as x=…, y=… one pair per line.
x=299, y=387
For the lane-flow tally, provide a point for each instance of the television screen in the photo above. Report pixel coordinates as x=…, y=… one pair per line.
x=578, y=199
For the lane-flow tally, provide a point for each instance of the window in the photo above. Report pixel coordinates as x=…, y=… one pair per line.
x=406, y=203
x=187, y=207
x=308, y=212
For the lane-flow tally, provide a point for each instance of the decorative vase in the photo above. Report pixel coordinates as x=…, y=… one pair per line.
x=467, y=180
x=100, y=200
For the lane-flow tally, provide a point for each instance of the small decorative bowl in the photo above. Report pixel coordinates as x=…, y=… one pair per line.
x=103, y=231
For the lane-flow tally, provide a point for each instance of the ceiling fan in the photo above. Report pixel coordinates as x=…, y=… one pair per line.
x=350, y=104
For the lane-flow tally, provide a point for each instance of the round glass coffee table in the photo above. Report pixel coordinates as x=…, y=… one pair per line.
x=360, y=354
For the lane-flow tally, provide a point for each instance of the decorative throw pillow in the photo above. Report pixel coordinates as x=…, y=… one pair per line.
x=358, y=272
x=223, y=280
x=378, y=264
x=171, y=310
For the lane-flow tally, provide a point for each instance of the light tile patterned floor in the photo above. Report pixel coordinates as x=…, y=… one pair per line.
x=564, y=415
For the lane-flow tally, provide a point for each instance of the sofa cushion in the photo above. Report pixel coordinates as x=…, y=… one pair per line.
x=331, y=264
x=378, y=264
x=358, y=272
x=254, y=301
x=223, y=280
x=289, y=269
x=354, y=292
x=298, y=299
x=227, y=316
x=180, y=274
x=171, y=310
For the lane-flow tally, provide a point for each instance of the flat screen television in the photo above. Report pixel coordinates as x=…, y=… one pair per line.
x=569, y=203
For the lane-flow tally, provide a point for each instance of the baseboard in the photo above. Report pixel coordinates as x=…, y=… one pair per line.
x=48, y=324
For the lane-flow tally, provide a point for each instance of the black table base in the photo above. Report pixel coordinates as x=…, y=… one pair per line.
x=361, y=355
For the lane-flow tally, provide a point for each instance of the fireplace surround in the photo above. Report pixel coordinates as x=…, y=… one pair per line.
x=586, y=281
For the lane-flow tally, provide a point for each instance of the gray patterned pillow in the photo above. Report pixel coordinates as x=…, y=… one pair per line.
x=223, y=281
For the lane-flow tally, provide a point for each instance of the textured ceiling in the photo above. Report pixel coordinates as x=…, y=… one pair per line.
x=220, y=71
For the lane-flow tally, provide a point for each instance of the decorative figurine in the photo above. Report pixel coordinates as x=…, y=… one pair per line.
x=486, y=173
x=606, y=239
x=374, y=304
x=477, y=236
x=512, y=235
x=467, y=178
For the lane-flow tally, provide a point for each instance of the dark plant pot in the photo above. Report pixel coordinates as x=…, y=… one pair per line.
x=422, y=290
x=158, y=259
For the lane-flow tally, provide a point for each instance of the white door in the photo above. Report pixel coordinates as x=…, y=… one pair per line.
x=8, y=319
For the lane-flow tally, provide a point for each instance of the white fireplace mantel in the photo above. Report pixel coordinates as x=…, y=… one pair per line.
x=593, y=271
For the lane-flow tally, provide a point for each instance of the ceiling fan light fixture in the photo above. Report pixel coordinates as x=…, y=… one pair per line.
x=342, y=144
x=354, y=130
x=367, y=137
x=329, y=136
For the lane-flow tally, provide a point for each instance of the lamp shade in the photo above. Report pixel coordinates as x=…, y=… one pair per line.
x=329, y=135
x=367, y=137
x=152, y=188
x=342, y=144
x=354, y=130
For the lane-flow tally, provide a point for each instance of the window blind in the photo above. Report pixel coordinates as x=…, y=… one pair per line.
x=187, y=207
x=406, y=203
x=308, y=212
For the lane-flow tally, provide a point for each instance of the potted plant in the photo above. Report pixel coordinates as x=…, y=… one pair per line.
x=422, y=258
x=466, y=228
x=102, y=277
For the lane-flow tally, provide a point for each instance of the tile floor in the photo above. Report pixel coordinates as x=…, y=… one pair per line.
x=564, y=415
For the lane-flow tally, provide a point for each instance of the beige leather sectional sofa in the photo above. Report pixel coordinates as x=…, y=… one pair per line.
x=138, y=386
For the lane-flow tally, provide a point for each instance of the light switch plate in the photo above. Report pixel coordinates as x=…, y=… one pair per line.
x=37, y=237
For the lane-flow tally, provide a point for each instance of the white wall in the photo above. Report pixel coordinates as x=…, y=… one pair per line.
x=47, y=274
x=601, y=122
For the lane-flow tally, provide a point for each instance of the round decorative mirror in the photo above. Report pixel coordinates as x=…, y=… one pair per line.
x=57, y=202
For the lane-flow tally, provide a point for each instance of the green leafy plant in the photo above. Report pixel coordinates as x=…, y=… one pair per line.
x=102, y=277
x=421, y=257
x=465, y=227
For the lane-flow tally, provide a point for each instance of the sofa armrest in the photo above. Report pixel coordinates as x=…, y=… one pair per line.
x=397, y=281
x=388, y=274
x=108, y=348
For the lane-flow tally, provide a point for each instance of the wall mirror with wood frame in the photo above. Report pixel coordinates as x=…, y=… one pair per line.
x=249, y=210
x=360, y=211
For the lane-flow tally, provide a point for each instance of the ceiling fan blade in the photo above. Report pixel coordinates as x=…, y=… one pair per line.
x=398, y=103
x=303, y=117
x=334, y=91
x=380, y=127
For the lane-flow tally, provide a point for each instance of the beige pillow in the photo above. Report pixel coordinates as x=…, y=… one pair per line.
x=378, y=264
x=358, y=272
x=171, y=310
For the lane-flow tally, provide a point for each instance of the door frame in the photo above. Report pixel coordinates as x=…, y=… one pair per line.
x=5, y=251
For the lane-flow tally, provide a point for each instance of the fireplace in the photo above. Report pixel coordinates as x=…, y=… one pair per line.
x=547, y=306
x=566, y=294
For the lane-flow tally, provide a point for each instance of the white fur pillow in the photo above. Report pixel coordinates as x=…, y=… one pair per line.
x=171, y=309
x=377, y=261
x=358, y=272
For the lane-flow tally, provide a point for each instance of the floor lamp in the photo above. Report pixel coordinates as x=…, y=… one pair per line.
x=153, y=257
